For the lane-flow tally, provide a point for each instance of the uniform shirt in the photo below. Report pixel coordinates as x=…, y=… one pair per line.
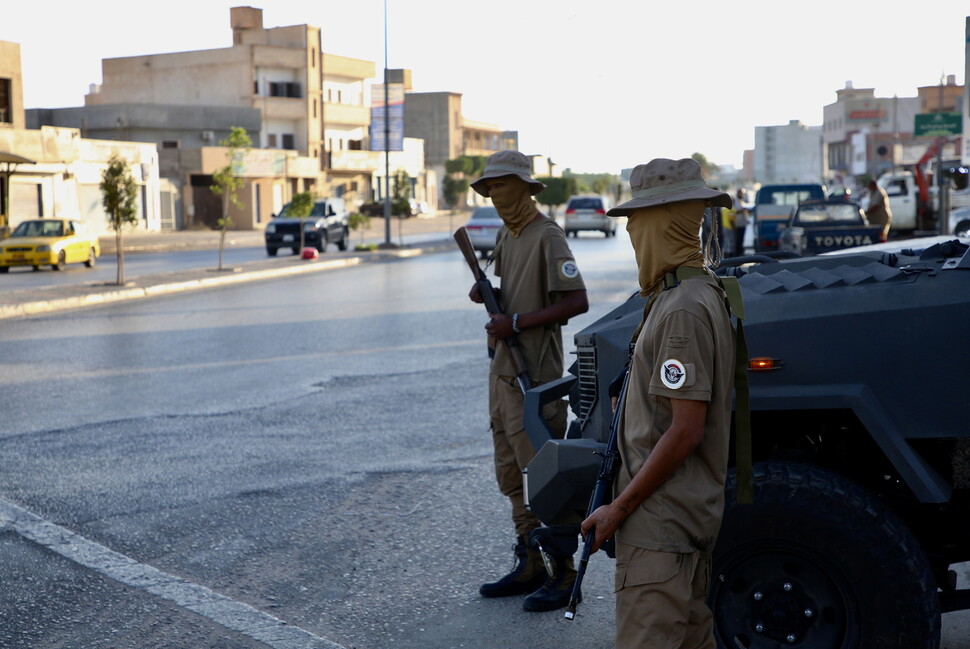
x=685, y=350
x=534, y=267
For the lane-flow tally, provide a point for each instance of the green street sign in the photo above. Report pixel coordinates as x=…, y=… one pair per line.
x=938, y=124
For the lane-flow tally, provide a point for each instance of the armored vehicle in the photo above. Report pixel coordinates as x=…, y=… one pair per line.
x=859, y=398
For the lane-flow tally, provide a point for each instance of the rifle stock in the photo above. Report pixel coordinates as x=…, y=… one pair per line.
x=490, y=298
x=601, y=494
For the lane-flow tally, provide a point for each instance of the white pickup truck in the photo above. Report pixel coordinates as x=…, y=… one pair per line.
x=905, y=201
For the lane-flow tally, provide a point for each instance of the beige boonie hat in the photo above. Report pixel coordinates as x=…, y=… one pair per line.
x=668, y=181
x=508, y=163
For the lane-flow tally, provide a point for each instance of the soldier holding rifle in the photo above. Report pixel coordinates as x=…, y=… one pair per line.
x=541, y=289
x=674, y=428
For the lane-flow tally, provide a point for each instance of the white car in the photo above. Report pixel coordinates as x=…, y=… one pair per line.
x=483, y=227
x=960, y=222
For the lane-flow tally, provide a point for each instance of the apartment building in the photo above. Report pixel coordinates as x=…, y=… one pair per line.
x=790, y=153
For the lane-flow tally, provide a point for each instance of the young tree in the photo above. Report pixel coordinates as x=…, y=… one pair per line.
x=358, y=221
x=118, y=196
x=227, y=182
x=557, y=191
x=300, y=207
x=400, y=196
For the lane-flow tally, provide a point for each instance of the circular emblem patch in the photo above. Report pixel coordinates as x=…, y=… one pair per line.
x=569, y=269
x=673, y=374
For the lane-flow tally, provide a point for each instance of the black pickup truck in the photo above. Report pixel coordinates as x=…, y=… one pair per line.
x=859, y=408
x=823, y=226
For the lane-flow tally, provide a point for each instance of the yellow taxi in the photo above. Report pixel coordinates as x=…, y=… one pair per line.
x=49, y=242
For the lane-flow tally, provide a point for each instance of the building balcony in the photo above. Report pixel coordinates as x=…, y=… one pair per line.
x=345, y=115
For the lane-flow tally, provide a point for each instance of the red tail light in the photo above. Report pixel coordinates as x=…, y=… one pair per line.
x=570, y=211
x=601, y=211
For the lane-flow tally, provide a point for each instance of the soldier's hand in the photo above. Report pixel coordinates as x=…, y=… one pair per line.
x=603, y=524
x=499, y=326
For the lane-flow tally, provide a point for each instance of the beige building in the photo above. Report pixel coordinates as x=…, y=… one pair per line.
x=312, y=117
x=55, y=172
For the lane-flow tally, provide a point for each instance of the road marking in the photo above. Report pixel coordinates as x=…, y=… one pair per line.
x=233, y=615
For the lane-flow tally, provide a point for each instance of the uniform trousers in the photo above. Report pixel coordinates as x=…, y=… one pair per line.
x=660, y=599
x=513, y=448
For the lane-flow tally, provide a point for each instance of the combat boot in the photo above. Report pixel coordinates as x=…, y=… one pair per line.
x=556, y=590
x=527, y=574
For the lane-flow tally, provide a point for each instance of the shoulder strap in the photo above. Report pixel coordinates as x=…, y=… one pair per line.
x=734, y=303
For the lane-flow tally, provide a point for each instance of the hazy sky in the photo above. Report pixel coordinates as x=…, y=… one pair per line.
x=597, y=85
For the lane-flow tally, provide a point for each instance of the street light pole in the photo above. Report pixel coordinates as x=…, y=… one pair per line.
x=387, y=143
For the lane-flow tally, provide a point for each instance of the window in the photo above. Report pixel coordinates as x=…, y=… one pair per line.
x=288, y=141
x=6, y=109
x=170, y=144
x=284, y=89
x=271, y=141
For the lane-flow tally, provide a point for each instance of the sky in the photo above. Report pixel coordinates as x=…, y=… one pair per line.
x=595, y=85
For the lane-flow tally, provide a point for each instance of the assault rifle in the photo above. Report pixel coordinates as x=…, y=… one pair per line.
x=490, y=298
x=601, y=495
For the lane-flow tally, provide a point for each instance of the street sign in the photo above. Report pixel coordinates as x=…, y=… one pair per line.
x=938, y=124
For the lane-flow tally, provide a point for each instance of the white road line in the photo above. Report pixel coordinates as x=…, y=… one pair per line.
x=233, y=615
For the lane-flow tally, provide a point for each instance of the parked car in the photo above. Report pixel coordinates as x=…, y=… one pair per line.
x=483, y=227
x=587, y=212
x=327, y=223
x=53, y=242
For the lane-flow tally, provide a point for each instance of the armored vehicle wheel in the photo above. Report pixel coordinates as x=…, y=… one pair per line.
x=817, y=561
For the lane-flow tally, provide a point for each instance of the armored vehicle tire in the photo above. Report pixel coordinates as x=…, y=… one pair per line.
x=816, y=561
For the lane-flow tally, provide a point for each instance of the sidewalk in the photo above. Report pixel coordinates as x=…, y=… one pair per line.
x=420, y=236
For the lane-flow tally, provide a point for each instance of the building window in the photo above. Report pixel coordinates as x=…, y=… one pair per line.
x=271, y=141
x=288, y=141
x=170, y=144
x=314, y=109
x=256, y=87
x=6, y=108
x=284, y=89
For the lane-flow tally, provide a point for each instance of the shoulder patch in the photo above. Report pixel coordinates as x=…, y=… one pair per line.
x=569, y=269
x=673, y=374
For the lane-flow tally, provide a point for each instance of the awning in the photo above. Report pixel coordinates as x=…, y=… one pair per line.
x=6, y=156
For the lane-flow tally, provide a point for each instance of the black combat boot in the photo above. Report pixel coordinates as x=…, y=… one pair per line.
x=527, y=574
x=556, y=590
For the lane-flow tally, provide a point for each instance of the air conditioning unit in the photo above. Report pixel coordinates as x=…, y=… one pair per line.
x=208, y=136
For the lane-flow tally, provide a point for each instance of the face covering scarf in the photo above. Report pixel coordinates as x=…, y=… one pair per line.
x=665, y=237
x=514, y=204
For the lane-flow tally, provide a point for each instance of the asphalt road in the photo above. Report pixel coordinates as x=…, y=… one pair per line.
x=298, y=462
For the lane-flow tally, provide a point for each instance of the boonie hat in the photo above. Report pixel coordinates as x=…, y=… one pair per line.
x=508, y=163
x=668, y=181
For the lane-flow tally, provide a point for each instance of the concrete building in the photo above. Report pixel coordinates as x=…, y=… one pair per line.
x=307, y=113
x=788, y=154
x=60, y=172
x=437, y=118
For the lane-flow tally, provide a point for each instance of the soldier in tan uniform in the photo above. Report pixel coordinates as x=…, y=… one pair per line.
x=675, y=424
x=541, y=289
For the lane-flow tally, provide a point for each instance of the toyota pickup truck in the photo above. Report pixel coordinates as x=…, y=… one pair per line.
x=824, y=226
x=773, y=207
x=859, y=410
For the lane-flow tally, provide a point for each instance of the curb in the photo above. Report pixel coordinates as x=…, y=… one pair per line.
x=117, y=294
